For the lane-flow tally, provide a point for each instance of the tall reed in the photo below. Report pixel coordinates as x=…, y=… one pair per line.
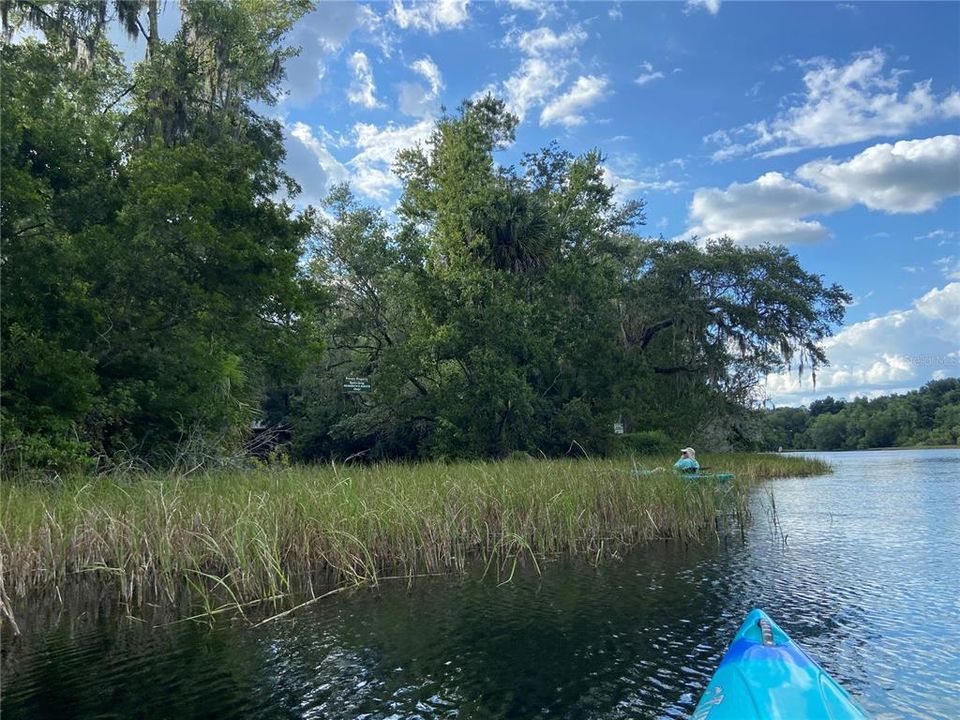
x=245, y=536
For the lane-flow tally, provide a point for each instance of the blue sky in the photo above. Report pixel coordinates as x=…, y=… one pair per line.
x=833, y=128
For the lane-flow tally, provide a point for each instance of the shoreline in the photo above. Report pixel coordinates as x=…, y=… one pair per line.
x=878, y=449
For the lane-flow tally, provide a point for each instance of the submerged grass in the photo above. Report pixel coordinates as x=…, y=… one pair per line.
x=242, y=537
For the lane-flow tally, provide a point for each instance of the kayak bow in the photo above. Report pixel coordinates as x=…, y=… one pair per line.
x=764, y=674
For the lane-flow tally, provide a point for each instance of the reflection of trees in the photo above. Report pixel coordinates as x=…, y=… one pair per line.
x=623, y=639
x=84, y=660
x=575, y=642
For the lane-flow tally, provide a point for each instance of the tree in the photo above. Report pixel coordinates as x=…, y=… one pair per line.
x=152, y=283
x=517, y=309
x=827, y=405
x=827, y=432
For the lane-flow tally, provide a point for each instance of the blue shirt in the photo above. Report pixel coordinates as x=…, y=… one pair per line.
x=686, y=465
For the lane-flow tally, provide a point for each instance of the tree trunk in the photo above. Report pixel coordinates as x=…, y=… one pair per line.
x=153, y=39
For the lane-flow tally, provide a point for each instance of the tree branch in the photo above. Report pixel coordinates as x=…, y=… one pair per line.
x=674, y=370
x=651, y=332
x=118, y=98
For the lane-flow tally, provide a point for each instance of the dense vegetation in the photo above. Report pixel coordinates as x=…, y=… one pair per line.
x=928, y=416
x=158, y=296
x=241, y=537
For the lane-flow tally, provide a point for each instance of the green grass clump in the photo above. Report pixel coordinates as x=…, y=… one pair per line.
x=260, y=534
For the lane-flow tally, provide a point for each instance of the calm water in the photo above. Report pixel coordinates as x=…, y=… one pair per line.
x=860, y=567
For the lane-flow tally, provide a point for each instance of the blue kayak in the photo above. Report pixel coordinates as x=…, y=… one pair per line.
x=764, y=674
x=722, y=477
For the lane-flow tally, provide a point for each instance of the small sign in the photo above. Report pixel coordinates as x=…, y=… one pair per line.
x=618, y=428
x=357, y=385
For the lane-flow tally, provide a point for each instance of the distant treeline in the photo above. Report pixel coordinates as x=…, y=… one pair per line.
x=928, y=416
x=161, y=296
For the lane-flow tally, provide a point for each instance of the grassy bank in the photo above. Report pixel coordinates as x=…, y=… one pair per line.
x=261, y=534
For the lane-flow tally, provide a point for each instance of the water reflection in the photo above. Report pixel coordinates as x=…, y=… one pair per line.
x=866, y=581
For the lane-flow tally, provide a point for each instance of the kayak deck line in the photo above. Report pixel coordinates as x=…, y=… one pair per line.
x=766, y=632
x=765, y=674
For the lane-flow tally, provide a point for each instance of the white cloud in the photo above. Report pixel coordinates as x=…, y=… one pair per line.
x=615, y=12
x=942, y=305
x=417, y=100
x=648, y=74
x=630, y=178
x=880, y=355
x=938, y=234
x=910, y=176
x=565, y=109
x=362, y=90
x=430, y=16
x=711, y=6
x=547, y=55
x=321, y=35
x=543, y=8
x=370, y=168
x=949, y=266
x=431, y=73
x=535, y=81
x=543, y=41
x=769, y=209
x=310, y=162
x=841, y=104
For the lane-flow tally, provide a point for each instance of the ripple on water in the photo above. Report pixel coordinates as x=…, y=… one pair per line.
x=866, y=581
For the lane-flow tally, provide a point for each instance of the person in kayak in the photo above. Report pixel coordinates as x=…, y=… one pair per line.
x=687, y=462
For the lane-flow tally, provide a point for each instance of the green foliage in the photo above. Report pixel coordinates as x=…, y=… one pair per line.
x=928, y=416
x=156, y=293
x=516, y=310
x=648, y=442
x=152, y=289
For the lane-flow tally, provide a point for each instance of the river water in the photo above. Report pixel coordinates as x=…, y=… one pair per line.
x=860, y=567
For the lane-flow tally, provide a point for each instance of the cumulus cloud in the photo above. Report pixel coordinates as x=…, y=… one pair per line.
x=310, y=163
x=648, y=75
x=769, y=209
x=431, y=17
x=362, y=90
x=536, y=80
x=880, y=355
x=368, y=152
x=711, y=6
x=321, y=35
x=547, y=55
x=910, y=176
x=907, y=177
x=543, y=41
x=543, y=8
x=417, y=100
x=370, y=168
x=565, y=109
x=841, y=104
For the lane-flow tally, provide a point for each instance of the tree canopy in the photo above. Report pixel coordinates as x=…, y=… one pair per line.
x=157, y=290
x=928, y=416
x=517, y=308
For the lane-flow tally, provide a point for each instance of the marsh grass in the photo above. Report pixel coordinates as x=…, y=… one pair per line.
x=237, y=539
